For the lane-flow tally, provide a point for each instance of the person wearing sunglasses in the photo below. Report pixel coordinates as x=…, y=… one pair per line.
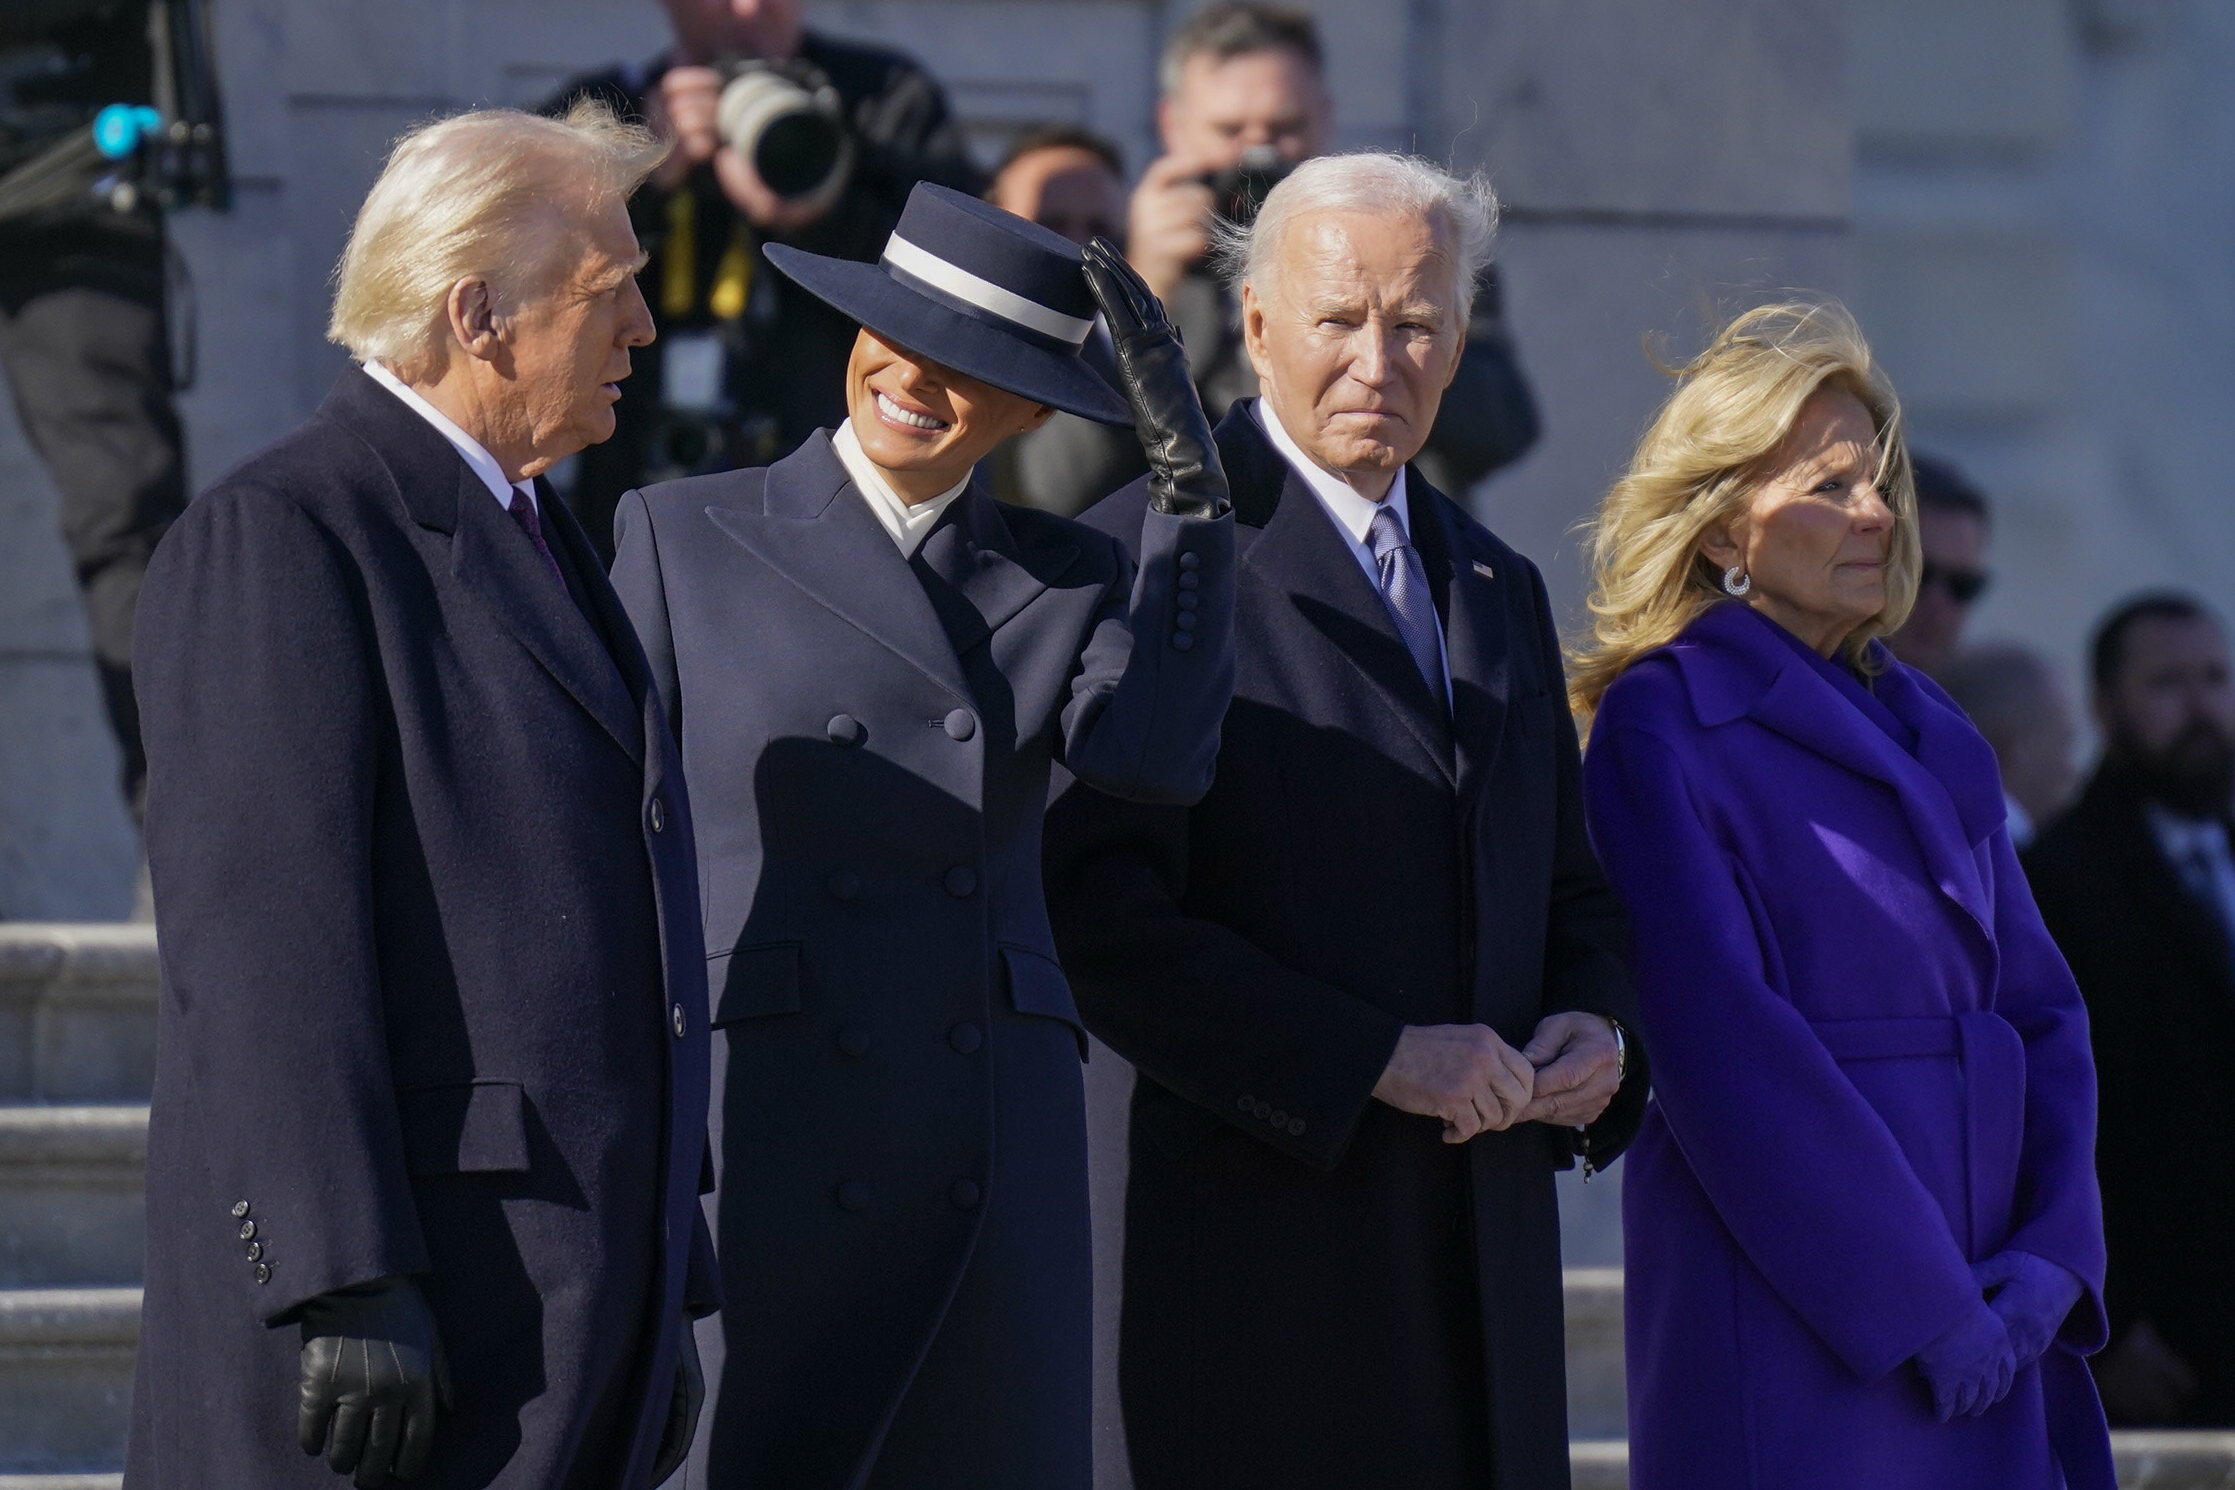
x=1952, y=526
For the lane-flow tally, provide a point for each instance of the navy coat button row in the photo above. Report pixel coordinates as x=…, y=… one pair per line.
x=1268, y=1113
x=1191, y=561
x=255, y=1247
x=845, y=729
x=659, y=816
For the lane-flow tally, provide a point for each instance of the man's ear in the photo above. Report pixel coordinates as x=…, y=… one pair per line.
x=471, y=310
x=1253, y=330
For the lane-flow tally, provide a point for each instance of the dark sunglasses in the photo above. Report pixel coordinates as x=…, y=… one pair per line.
x=1964, y=585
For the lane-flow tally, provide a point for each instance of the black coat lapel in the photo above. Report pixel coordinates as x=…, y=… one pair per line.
x=2155, y=887
x=489, y=555
x=1478, y=629
x=1304, y=555
x=818, y=532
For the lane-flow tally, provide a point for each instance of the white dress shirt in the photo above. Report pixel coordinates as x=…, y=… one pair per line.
x=484, y=464
x=908, y=523
x=2197, y=849
x=1353, y=514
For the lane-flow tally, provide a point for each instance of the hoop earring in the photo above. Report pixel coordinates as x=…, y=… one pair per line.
x=1736, y=581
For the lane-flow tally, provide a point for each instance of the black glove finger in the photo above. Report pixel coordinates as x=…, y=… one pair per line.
x=315, y=1415
x=381, y=1437
x=345, y=1443
x=419, y=1429
x=1127, y=301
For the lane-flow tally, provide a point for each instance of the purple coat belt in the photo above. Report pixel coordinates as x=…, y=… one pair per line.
x=1871, y=1071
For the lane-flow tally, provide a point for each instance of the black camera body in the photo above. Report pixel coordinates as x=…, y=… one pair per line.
x=1239, y=191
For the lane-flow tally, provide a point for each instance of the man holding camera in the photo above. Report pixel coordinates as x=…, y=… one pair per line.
x=783, y=136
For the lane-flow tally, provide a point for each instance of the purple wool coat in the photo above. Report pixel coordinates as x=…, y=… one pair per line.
x=1870, y=1068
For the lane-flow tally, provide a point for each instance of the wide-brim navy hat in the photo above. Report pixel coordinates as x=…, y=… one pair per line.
x=981, y=290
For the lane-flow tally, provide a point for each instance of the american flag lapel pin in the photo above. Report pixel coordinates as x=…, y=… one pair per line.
x=1484, y=570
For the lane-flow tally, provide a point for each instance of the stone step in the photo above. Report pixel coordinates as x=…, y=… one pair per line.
x=1597, y=1397
x=65, y=1379
x=71, y=1205
x=77, y=1012
x=61, y=1482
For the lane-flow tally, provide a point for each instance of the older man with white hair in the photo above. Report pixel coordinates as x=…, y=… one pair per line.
x=1372, y=983
x=430, y=1099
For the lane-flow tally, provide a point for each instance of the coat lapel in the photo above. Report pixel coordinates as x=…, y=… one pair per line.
x=975, y=552
x=1478, y=629
x=817, y=532
x=1303, y=555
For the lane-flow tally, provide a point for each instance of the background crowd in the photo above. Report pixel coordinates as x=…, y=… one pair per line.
x=2131, y=861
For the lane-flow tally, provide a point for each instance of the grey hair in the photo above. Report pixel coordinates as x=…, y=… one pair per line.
x=1463, y=211
x=485, y=193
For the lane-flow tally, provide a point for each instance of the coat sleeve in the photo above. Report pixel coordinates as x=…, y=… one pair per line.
x=2060, y=1208
x=637, y=579
x=1157, y=672
x=1806, y=1176
x=1198, y=1008
x=258, y=686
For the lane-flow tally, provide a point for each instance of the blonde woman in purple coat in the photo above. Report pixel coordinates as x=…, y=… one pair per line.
x=1864, y=1240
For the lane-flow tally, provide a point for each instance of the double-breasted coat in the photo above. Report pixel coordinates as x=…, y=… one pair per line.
x=1320, y=1293
x=1871, y=1071
x=433, y=992
x=900, y=1134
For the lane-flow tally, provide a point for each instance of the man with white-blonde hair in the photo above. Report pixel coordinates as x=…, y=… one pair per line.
x=430, y=1101
x=1372, y=983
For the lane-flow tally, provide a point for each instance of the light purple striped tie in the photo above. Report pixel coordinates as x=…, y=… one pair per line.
x=524, y=513
x=1404, y=589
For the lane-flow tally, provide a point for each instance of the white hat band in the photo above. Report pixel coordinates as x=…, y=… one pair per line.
x=984, y=293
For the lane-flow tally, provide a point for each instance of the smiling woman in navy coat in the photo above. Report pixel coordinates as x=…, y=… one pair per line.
x=872, y=667
x=1865, y=1245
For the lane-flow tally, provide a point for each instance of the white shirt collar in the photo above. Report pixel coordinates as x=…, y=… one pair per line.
x=484, y=464
x=1353, y=512
x=908, y=523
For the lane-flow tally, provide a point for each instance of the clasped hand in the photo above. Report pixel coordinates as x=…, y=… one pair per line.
x=1476, y=1083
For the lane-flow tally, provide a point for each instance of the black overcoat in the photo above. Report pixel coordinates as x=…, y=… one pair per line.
x=2159, y=980
x=433, y=989
x=900, y=1135
x=1319, y=1292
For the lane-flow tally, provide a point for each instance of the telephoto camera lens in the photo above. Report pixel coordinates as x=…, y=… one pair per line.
x=793, y=134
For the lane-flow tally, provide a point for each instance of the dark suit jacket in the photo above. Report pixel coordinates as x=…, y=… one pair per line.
x=1303, y=1264
x=869, y=743
x=433, y=998
x=2160, y=987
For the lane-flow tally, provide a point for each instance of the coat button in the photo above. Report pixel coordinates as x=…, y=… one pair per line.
x=961, y=880
x=964, y=1194
x=263, y=1272
x=1190, y=581
x=1262, y=1109
x=1245, y=1103
x=248, y=1231
x=255, y=1251
x=659, y=816
x=1296, y=1127
x=1279, y=1118
x=853, y=1195
x=843, y=884
x=681, y=1024
x=845, y=729
x=966, y=1037
x=240, y=1209
x=854, y=1040
x=959, y=725
x=1181, y=640
x=1185, y=620
x=1191, y=561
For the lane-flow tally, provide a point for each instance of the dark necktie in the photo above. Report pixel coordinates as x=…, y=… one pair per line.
x=524, y=513
x=1404, y=589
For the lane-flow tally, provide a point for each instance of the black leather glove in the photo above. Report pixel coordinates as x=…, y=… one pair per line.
x=682, y=1409
x=372, y=1374
x=1185, y=478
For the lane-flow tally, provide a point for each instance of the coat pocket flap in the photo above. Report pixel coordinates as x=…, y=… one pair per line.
x=465, y=1127
x=755, y=981
x=1037, y=986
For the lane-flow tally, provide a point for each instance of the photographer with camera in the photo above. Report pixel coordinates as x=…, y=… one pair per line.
x=783, y=136
x=1244, y=101
x=108, y=115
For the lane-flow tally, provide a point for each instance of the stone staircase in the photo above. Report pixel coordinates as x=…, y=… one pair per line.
x=77, y=1053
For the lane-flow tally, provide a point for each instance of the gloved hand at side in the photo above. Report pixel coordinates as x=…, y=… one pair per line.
x=2035, y=1296
x=372, y=1375
x=682, y=1408
x=1970, y=1366
x=1185, y=477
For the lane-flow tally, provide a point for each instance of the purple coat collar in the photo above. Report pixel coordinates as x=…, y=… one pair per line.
x=1735, y=667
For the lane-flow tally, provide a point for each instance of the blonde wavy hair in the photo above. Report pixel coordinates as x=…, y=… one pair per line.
x=493, y=192
x=1698, y=465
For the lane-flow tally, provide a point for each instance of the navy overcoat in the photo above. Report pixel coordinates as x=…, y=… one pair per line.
x=433, y=991
x=1320, y=1293
x=901, y=1140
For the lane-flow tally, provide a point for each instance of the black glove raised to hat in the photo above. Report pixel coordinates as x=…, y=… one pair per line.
x=1185, y=477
